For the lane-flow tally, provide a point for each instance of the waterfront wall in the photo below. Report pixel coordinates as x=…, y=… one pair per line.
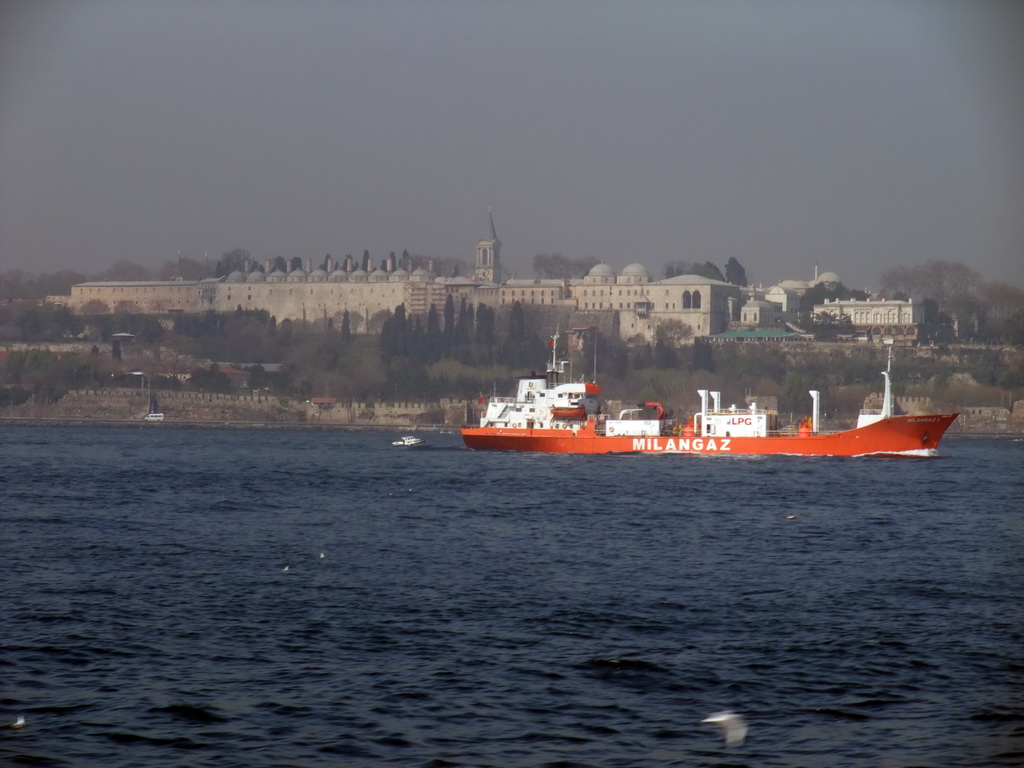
x=132, y=404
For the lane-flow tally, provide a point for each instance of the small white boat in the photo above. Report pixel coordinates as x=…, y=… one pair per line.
x=408, y=440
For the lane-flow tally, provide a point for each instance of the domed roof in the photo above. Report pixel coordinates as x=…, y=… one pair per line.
x=793, y=285
x=236, y=276
x=601, y=270
x=697, y=280
x=256, y=276
x=421, y=271
x=828, y=277
x=636, y=269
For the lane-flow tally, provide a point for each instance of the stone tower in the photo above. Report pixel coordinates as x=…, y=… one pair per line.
x=488, y=255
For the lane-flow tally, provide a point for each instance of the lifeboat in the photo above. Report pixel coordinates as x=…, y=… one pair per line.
x=569, y=413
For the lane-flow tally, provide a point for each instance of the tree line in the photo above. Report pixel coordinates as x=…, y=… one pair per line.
x=463, y=351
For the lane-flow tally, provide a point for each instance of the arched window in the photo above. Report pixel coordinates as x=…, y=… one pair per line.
x=696, y=299
x=686, y=300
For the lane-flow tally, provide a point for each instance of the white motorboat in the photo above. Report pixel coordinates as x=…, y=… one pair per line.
x=408, y=441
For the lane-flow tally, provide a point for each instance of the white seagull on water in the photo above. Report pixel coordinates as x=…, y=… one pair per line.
x=733, y=727
x=19, y=723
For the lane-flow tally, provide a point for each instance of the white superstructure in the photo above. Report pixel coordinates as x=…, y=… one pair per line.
x=542, y=402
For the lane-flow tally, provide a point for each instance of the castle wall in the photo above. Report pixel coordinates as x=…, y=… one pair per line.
x=313, y=302
x=131, y=405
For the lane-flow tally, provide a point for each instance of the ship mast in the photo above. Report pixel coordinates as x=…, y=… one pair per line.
x=887, y=408
x=556, y=367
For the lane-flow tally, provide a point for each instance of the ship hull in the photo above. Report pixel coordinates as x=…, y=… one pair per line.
x=894, y=436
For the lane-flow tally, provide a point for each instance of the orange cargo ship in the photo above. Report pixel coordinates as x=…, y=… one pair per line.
x=549, y=415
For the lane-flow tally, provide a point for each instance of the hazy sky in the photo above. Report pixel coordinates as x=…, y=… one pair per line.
x=854, y=135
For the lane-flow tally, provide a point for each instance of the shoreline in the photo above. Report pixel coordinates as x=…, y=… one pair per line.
x=18, y=421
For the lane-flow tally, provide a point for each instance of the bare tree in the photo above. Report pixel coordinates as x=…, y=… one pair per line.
x=557, y=266
x=127, y=270
x=184, y=268
x=1001, y=300
x=935, y=279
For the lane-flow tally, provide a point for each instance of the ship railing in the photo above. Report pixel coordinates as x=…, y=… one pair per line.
x=741, y=412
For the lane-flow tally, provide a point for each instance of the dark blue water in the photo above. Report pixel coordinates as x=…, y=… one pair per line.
x=479, y=609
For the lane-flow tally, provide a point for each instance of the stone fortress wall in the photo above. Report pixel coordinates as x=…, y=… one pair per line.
x=127, y=405
x=130, y=405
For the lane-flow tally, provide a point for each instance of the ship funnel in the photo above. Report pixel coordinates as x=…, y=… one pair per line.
x=717, y=397
x=816, y=408
x=703, y=406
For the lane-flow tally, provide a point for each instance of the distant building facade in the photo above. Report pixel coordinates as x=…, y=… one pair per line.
x=629, y=303
x=142, y=297
x=879, y=320
x=702, y=305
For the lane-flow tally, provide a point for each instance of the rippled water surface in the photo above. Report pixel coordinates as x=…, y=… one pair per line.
x=477, y=609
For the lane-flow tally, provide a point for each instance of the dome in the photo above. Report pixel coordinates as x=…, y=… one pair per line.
x=827, y=277
x=793, y=285
x=637, y=270
x=236, y=277
x=256, y=276
x=601, y=270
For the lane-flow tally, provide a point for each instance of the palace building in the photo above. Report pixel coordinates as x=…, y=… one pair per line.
x=630, y=301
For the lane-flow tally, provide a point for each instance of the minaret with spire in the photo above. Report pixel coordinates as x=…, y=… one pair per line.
x=488, y=255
